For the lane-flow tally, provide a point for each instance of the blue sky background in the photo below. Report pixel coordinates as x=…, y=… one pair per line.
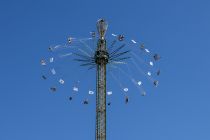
x=179, y=30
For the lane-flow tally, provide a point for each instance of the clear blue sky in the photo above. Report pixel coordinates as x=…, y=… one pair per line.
x=179, y=30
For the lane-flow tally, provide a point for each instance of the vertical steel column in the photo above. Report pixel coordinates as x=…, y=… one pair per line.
x=101, y=59
x=101, y=92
